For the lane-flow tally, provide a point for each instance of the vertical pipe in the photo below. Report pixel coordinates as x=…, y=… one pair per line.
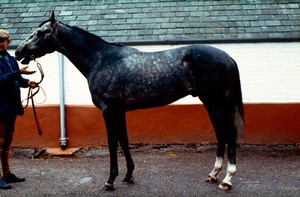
x=63, y=139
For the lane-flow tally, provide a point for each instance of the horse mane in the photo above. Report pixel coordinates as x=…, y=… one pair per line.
x=42, y=23
x=94, y=37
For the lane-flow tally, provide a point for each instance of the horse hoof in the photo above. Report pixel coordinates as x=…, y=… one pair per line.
x=211, y=179
x=225, y=186
x=108, y=187
x=128, y=180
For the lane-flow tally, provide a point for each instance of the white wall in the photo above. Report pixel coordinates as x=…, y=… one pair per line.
x=50, y=84
x=270, y=73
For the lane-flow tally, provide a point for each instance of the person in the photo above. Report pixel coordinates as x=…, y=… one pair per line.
x=10, y=105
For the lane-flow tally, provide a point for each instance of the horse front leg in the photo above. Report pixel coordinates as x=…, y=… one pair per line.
x=111, y=121
x=130, y=165
x=123, y=140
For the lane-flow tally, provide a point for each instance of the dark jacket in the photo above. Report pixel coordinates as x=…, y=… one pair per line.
x=10, y=83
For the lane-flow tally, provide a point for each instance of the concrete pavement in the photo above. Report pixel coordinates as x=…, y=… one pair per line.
x=161, y=170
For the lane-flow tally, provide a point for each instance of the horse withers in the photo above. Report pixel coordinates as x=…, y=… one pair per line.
x=122, y=78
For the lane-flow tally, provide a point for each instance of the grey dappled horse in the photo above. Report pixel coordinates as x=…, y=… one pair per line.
x=122, y=78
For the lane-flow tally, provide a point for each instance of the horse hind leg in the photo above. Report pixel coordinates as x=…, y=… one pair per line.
x=216, y=119
x=231, y=137
x=226, y=133
x=231, y=166
x=235, y=131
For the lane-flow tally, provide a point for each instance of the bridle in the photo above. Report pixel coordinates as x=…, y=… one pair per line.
x=32, y=92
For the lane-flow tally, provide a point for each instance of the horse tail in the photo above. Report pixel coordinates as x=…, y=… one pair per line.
x=239, y=121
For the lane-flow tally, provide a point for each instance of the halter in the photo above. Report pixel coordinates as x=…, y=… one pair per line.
x=32, y=93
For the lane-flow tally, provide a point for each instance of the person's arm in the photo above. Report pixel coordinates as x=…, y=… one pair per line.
x=8, y=77
x=25, y=83
x=16, y=75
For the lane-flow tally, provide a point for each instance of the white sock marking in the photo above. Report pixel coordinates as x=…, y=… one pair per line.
x=217, y=168
x=231, y=169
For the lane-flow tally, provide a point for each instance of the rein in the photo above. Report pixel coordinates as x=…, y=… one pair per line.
x=32, y=93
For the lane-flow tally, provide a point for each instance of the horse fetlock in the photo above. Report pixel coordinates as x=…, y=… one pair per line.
x=226, y=183
x=211, y=179
x=213, y=176
x=108, y=187
x=217, y=170
x=225, y=186
x=128, y=180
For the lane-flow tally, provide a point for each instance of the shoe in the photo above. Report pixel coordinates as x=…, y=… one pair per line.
x=11, y=178
x=4, y=185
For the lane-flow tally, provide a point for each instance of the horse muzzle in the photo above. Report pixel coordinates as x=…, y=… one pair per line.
x=25, y=58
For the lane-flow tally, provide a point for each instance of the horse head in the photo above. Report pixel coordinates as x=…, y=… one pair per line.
x=41, y=42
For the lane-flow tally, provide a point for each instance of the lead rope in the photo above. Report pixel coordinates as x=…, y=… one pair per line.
x=32, y=93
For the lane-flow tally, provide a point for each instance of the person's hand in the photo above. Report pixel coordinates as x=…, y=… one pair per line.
x=25, y=71
x=32, y=84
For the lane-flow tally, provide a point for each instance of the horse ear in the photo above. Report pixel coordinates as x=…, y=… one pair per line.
x=52, y=17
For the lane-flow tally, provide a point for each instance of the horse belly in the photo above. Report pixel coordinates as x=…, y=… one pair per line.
x=153, y=95
x=149, y=102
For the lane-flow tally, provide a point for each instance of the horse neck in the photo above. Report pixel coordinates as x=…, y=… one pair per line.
x=81, y=48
